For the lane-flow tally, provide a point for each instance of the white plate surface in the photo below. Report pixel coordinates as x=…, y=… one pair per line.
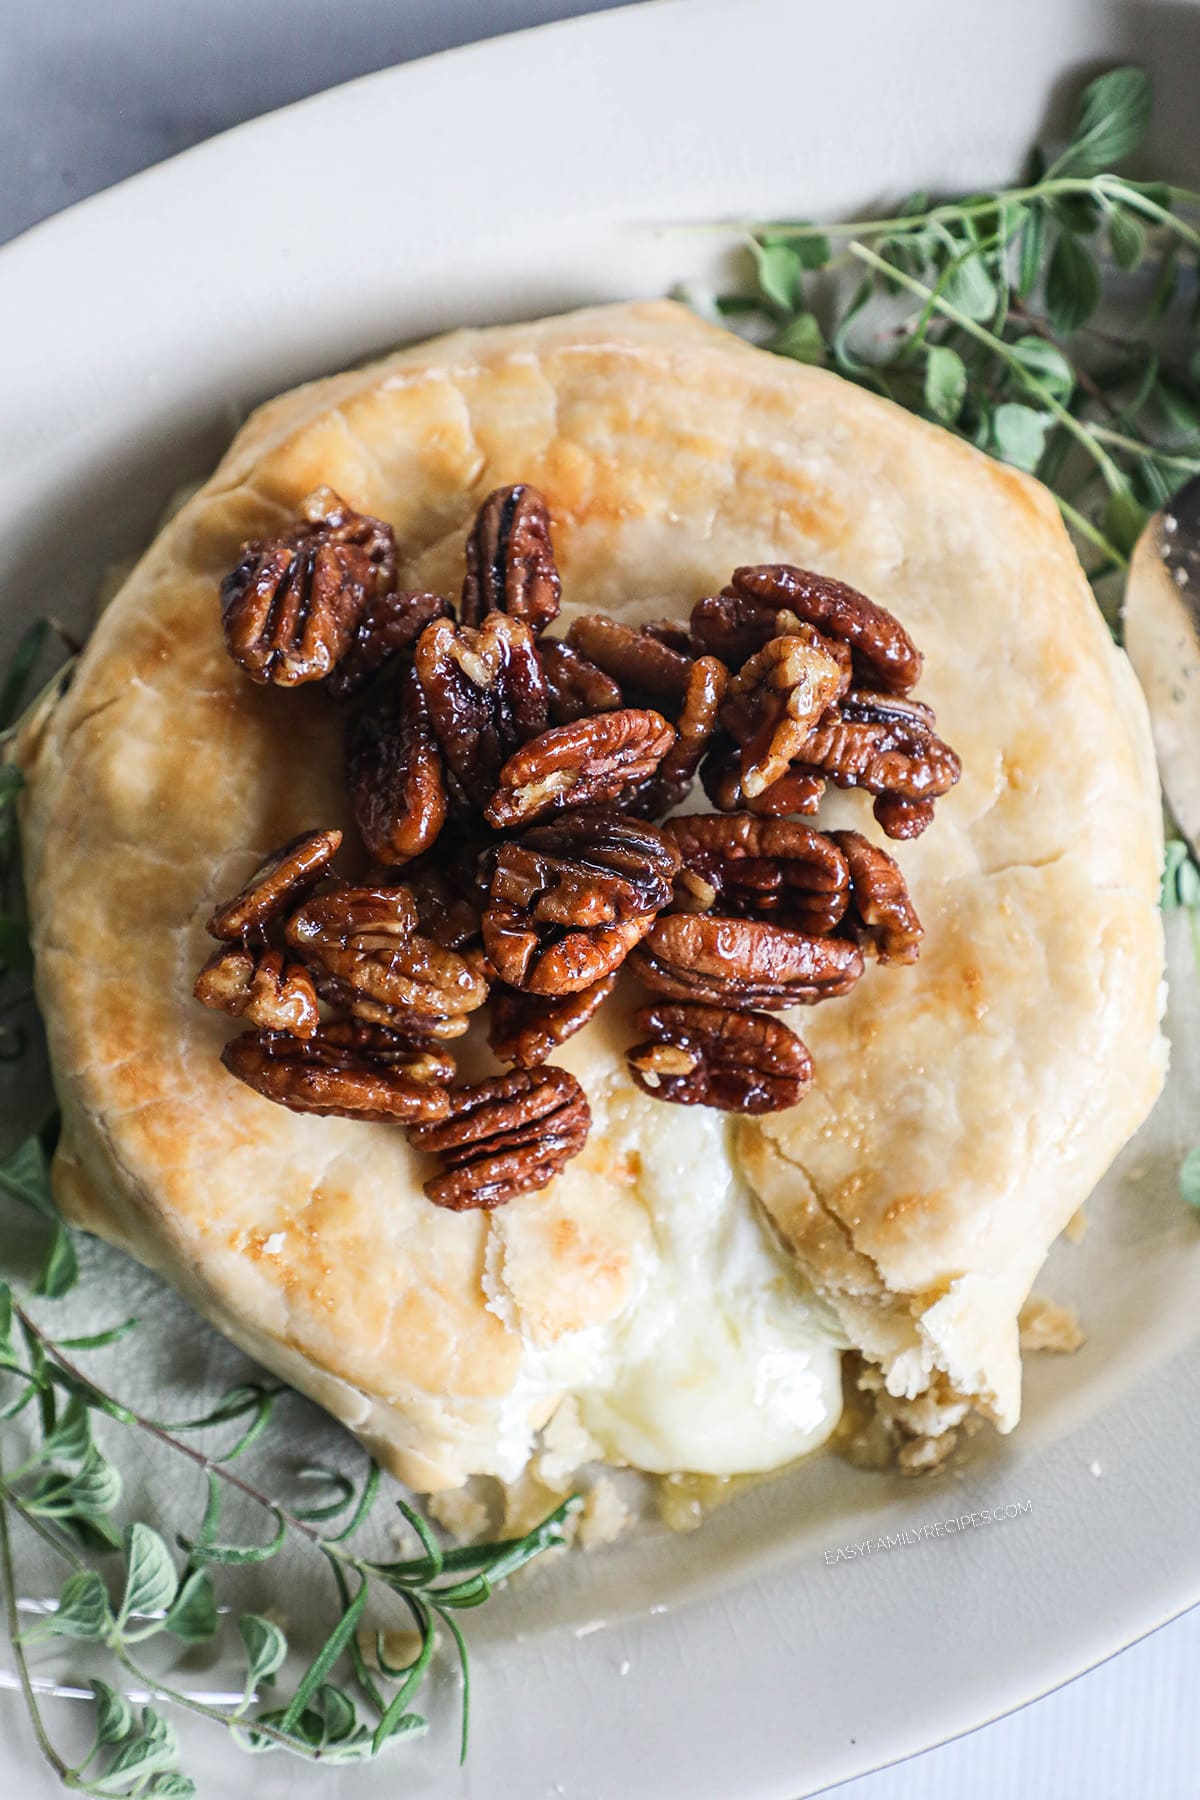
x=507, y=180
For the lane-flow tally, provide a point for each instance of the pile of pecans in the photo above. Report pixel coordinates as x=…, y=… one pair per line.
x=516, y=778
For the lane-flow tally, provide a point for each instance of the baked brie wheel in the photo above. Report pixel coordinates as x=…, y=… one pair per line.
x=689, y=1281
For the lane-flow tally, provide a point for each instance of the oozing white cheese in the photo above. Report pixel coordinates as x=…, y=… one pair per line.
x=723, y=1362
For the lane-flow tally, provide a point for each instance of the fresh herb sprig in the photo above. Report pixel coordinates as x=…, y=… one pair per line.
x=127, y=1593
x=986, y=314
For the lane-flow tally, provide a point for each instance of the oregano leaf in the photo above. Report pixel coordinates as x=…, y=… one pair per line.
x=150, y=1580
x=1019, y=434
x=114, y=1715
x=83, y=1609
x=801, y=339
x=1127, y=238
x=25, y=1176
x=60, y=1270
x=1114, y=111
x=969, y=287
x=265, y=1645
x=192, y=1615
x=1046, y=362
x=945, y=382
x=1072, y=285
x=779, y=269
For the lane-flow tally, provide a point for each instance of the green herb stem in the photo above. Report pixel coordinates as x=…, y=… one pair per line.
x=14, y=1631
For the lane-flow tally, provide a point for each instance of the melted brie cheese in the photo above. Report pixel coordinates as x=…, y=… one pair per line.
x=724, y=1362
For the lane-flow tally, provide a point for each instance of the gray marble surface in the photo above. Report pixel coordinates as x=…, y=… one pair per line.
x=93, y=90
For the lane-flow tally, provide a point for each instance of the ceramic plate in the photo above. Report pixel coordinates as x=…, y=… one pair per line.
x=526, y=175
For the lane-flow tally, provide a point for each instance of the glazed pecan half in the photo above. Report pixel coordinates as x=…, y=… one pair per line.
x=567, y=902
x=776, y=698
x=637, y=658
x=742, y=1062
x=486, y=694
x=902, y=818
x=743, y=963
x=510, y=560
x=389, y=628
x=366, y=939
x=286, y=876
x=394, y=772
x=587, y=763
x=420, y=1058
x=527, y=1028
x=796, y=791
x=775, y=869
x=695, y=729
x=260, y=986
x=507, y=1136
x=320, y=1077
x=575, y=687
x=884, y=744
x=293, y=603
x=884, y=654
x=882, y=916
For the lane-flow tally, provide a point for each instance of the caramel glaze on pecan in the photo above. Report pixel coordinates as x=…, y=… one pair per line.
x=776, y=698
x=527, y=1028
x=721, y=777
x=775, y=869
x=639, y=659
x=510, y=560
x=292, y=605
x=315, y=1076
x=394, y=771
x=575, y=687
x=410, y=1053
x=585, y=764
x=695, y=729
x=286, y=876
x=486, y=694
x=259, y=985
x=884, y=654
x=366, y=938
x=884, y=744
x=881, y=916
x=902, y=819
x=567, y=902
x=743, y=963
x=389, y=628
x=742, y=1062
x=506, y=1136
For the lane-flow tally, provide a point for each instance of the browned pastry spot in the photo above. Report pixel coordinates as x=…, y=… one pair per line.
x=742, y=1062
x=743, y=963
x=567, y=902
x=776, y=698
x=510, y=560
x=394, y=772
x=293, y=603
x=639, y=659
x=367, y=939
x=775, y=869
x=287, y=875
x=527, y=1028
x=584, y=764
x=881, y=915
x=506, y=1136
x=260, y=986
x=884, y=654
x=318, y=1077
x=575, y=687
x=389, y=628
x=486, y=695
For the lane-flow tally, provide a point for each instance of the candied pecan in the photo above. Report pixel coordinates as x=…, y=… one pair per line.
x=390, y=626
x=743, y=963
x=884, y=654
x=794, y=792
x=291, y=606
x=367, y=939
x=506, y=1136
x=527, y=1028
x=486, y=695
x=449, y=898
x=697, y=724
x=742, y=1062
x=773, y=869
x=578, y=765
x=881, y=915
x=567, y=902
x=510, y=560
x=575, y=687
x=285, y=877
x=394, y=770
x=261, y=987
x=902, y=818
x=776, y=698
x=319, y=1077
x=420, y=1058
x=884, y=744
x=673, y=633
x=636, y=658
x=436, y=1027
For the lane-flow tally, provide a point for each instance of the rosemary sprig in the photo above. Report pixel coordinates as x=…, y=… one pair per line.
x=987, y=314
x=125, y=1588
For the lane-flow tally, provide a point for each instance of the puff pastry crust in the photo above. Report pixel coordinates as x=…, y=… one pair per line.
x=962, y=1109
